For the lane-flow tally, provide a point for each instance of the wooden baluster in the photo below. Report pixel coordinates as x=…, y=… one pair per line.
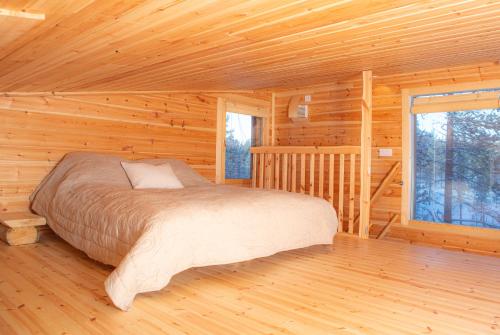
x=321, y=179
x=285, y=173
x=277, y=168
x=262, y=159
x=254, y=170
x=331, y=181
x=294, y=172
x=268, y=174
x=311, y=174
x=302, y=173
x=341, y=193
x=352, y=185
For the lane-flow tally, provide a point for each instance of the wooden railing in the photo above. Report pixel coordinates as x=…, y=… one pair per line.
x=317, y=171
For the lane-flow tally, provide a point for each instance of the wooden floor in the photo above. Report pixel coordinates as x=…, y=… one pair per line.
x=354, y=287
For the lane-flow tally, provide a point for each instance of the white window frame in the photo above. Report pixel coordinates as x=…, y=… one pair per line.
x=408, y=121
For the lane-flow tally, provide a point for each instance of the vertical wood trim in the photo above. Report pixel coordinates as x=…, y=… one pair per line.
x=352, y=181
x=273, y=119
x=321, y=175
x=262, y=162
x=311, y=174
x=285, y=173
x=277, y=167
x=331, y=181
x=268, y=174
x=265, y=131
x=220, y=145
x=341, y=193
x=294, y=172
x=407, y=157
x=254, y=170
x=302, y=173
x=366, y=149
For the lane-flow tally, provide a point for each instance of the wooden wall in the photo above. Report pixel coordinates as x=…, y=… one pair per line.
x=335, y=119
x=36, y=132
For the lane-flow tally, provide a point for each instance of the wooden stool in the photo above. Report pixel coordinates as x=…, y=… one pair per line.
x=20, y=228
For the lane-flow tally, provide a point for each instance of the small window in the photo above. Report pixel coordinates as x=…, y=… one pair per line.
x=457, y=163
x=242, y=132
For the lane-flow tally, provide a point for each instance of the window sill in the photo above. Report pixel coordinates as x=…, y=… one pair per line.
x=480, y=232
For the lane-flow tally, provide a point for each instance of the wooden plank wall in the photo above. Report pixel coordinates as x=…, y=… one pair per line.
x=335, y=120
x=36, y=132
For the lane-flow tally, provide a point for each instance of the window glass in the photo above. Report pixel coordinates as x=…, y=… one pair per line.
x=457, y=167
x=242, y=132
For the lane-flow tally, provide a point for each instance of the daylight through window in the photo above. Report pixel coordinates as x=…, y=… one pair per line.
x=242, y=132
x=457, y=164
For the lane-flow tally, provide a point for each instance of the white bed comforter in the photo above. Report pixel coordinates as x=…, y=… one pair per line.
x=150, y=235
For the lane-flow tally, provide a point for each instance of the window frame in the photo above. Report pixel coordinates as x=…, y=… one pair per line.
x=408, y=145
x=240, y=105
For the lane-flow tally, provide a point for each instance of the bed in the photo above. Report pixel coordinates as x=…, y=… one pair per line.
x=150, y=235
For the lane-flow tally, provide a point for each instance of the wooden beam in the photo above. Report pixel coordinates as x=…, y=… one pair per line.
x=366, y=150
x=385, y=230
x=22, y=14
x=273, y=119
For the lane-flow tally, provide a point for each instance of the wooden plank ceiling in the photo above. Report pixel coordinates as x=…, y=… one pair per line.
x=90, y=45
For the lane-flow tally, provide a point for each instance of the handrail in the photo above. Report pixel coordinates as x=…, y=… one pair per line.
x=348, y=149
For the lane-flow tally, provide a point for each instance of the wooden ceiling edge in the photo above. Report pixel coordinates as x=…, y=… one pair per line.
x=338, y=86
x=80, y=93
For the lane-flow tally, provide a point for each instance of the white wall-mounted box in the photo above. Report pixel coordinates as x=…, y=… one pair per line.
x=385, y=152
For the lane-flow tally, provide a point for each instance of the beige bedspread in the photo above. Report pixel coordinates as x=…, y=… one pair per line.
x=150, y=235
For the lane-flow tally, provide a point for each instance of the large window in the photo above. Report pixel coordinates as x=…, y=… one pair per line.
x=242, y=132
x=456, y=173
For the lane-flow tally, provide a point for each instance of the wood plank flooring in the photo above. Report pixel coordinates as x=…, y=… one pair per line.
x=353, y=287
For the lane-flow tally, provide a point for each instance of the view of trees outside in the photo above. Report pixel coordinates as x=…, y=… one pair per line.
x=457, y=168
x=238, y=143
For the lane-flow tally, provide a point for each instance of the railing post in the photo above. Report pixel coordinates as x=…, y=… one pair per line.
x=366, y=147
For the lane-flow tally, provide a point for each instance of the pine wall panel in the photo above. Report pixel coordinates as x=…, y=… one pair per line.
x=335, y=120
x=36, y=132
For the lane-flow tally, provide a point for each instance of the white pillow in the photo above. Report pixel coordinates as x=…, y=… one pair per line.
x=142, y=175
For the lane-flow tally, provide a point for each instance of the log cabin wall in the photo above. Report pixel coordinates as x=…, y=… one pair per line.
x=37, y=131
x=335, y=119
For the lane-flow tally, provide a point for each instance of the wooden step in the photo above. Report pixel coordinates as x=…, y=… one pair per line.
x=20, y=228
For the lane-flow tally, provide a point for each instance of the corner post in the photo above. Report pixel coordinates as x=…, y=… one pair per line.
x=366, y=152
x=273, y=119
